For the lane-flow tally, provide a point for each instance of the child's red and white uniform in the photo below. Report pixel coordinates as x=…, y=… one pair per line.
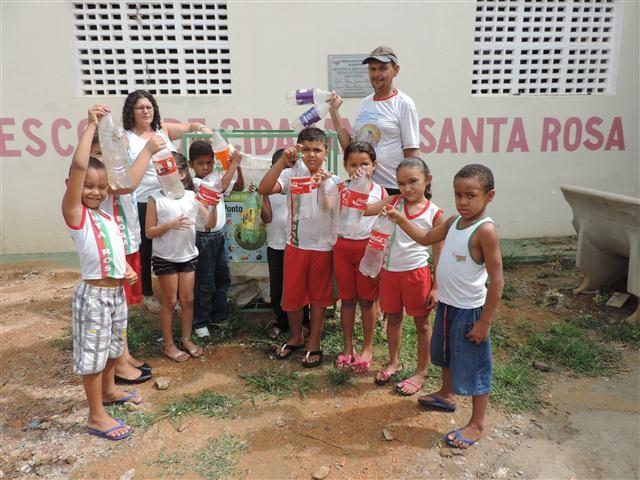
x=124, y=211
x=99, y=313
x=307, y=260
x=405, y=279
x=349, y=250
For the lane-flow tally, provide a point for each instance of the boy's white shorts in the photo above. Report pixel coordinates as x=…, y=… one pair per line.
x=99, y=326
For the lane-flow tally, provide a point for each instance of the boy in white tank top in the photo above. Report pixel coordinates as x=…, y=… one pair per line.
x=99, y=308
x=460, y=344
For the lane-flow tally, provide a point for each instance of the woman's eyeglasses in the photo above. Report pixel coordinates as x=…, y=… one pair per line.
x=142, y=109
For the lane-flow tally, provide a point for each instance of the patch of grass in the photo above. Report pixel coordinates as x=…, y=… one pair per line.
x=206, y=402
x=218, y=458
x=509, y=292
x=508, y=261
x=567, y=345
x=64, y=343
x=171, y=465
x=623, y=332
x=138, y=419
x=516, y=386
x=276, y=383
x=332, y=340
x=339, y=378
x=142, y=331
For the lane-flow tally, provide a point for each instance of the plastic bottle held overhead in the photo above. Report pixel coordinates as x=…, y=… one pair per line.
x=373, y=258
x=329, y=205
x=308, y=96
x=210, y=189
x=300, y=190
x=353, y=204
x=168, y=175
x=311, y=116
x=222, y=149
x=250, y=227
x=114, y=153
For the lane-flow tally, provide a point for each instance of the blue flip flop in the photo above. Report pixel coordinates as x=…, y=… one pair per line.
x=121, y=401
x=105, y=433
x=457, y=435
x=437, y=403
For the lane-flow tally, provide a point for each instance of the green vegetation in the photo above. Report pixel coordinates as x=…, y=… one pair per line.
x=277, y=383
x=516, y=386
x=339, y=378
x=218, y=458
x=509, y=292
x=171, y=465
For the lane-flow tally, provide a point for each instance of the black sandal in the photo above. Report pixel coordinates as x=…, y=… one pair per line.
x=307, y=364
x=287, y=350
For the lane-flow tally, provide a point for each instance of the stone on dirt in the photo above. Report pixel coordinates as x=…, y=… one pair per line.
x=128, y=475
x=163, y=383
x=321, y=473
x=388, y=436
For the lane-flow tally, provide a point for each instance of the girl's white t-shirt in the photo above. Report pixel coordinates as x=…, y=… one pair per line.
x=125, y=212
x=376, y=194
x=404, y=253
x=175, y=245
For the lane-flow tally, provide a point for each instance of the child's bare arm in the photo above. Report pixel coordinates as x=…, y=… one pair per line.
x=130, y=275
x=72, y=199
x=269, y=183
x=233, y=167
x=151, y=227
x=239, y=185
x=266, y=214
x=487, y=237
x=436, y=249
x=139, y=167
x=377, y=207
x=423, y=237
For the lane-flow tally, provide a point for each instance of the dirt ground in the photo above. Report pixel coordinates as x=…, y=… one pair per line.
x=587, y=428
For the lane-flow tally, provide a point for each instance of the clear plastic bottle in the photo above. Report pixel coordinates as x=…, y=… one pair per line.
x=353, y=203
x=168, y=175
x=210, y=189
x=308, y=96
x=250, y=227
x=311, y=116
x=329, y=205
x=114, y=153
x=373, y=258
x=300, y=189
x=222, y=149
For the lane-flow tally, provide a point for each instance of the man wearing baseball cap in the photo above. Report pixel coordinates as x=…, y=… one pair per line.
x=387, y=118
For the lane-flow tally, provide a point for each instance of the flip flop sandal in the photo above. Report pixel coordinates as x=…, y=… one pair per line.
x=344, y=362
x=457, y=436
x=386, y=376
x=178, y=357
x=360, y=366
x=306, y=363
x=105, y=433
x=194, y=352
x=437, y=403
x=127, y=398
x=286, y=350
x=400, y=386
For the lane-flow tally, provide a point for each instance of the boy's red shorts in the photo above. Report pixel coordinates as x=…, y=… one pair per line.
x=133, y=292
x=408, y=289
x=347, y=254
x=307, y=279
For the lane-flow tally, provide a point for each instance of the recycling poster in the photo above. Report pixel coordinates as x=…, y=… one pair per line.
x=245, y=234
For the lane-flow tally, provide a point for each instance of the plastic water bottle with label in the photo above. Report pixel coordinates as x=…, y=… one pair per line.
x=311, y=116
x=210, y=189
x=373, y=258
x=308, y=96
x=353, y=202
x=114, y=153
x=329, y=205
x=168, y=175
x=222, y=149
x=300, y=189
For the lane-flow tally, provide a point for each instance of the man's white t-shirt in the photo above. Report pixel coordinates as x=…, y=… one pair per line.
x=390, y=125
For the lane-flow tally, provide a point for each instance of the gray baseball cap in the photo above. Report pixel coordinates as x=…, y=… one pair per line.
x=382, y=54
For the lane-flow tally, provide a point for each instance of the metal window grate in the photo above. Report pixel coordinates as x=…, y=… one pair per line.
x=545, y=47
x=168, y=48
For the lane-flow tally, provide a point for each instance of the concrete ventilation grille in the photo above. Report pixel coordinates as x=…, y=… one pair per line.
x=540, y=47
x=168, y=48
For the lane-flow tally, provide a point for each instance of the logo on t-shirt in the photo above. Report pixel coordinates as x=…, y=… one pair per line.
x=369, y=133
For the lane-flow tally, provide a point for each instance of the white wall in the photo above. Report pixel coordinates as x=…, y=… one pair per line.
x=276, y=47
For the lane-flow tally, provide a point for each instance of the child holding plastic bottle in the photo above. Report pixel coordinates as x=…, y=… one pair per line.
x=354, y=287
x=99, y=307
x=213, y=277
x=121, y=206
x=171, y=225
x=307, y=259
x=461, y=345
x=406, y=283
